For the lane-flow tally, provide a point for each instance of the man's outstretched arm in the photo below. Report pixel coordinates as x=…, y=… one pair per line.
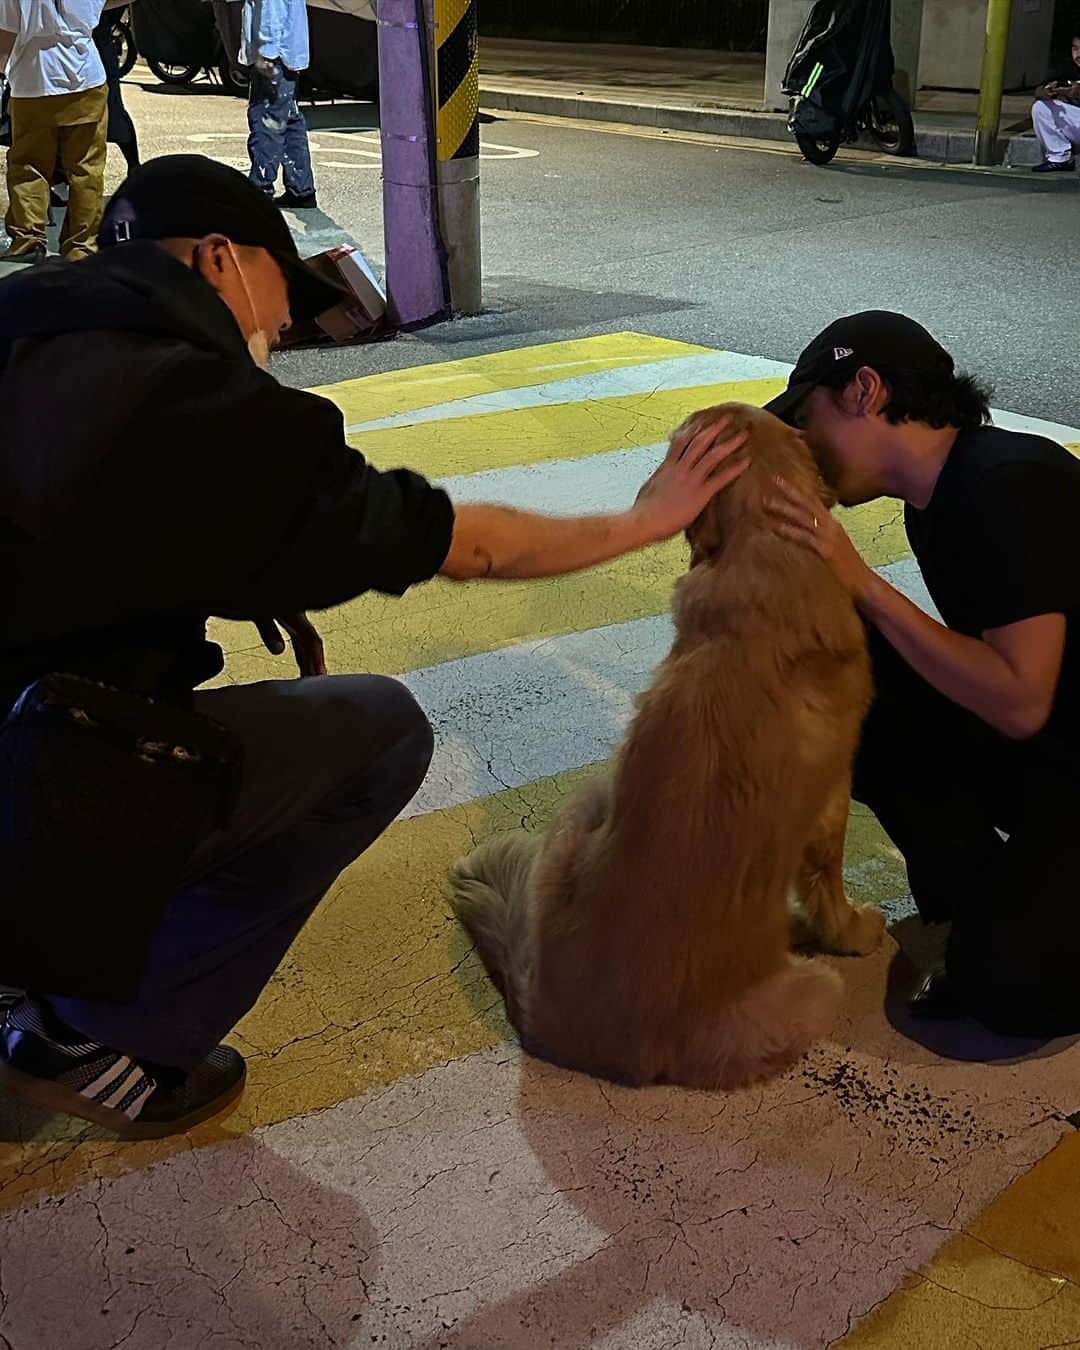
x=500, y=542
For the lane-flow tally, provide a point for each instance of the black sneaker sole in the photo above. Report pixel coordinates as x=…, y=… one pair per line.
x=53, y=1096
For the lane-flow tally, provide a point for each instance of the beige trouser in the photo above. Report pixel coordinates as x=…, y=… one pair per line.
x=69, y=128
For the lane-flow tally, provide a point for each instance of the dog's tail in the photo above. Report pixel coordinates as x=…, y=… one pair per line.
x=770, y=1026
x=489, y=892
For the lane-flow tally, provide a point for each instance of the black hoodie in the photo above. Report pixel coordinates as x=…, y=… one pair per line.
x=151, y=476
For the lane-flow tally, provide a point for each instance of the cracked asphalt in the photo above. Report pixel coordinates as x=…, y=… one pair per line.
x=397, y=1174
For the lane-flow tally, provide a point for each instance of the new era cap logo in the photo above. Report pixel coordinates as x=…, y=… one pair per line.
x=840, y=352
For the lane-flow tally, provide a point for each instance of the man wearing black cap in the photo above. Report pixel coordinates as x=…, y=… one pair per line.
x=151, y=476
x=969, y=753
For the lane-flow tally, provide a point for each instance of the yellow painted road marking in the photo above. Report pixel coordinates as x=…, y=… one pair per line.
x=446, y=620
x=560, y=431
x=398, y=391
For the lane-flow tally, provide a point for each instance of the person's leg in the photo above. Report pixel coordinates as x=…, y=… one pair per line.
x=328, y=764
x=1014, y=949
x=1057, y=127
x=121, y=129
x=82, y=151
x=922, y=767
x=267, y=120
x=30, y=161
x=296, y=158
x=1070, y=123
x=943, y=784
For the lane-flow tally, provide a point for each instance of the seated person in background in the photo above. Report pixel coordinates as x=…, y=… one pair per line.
x=1056, y=116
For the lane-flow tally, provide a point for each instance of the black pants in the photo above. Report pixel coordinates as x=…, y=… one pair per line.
x=942, y=783
x=121, y=127
x=328, y=764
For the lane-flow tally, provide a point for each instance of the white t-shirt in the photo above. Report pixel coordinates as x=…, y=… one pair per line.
x=63, y=62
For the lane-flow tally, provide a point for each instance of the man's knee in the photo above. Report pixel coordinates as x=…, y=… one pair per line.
x=415, y=736
x=377, y=713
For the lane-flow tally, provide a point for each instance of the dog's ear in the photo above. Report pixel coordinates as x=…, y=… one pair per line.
x=708, y=534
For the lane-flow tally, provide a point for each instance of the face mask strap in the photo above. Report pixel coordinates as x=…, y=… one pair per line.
x=258, y=343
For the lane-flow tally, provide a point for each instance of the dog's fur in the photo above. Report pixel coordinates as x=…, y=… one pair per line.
x=647, y=936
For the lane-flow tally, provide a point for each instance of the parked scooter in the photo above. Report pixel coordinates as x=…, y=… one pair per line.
x=840, y=81
x=123, y=40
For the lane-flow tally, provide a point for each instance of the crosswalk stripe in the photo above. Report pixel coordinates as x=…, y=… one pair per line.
x=538, y=709
x=416, y=387
x=445, y=620
x=497, y=440
x=686, y=372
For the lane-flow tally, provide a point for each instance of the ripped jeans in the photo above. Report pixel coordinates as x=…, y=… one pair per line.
x=278, y=133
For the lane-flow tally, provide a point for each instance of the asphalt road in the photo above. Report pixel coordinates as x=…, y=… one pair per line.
x=589, y=230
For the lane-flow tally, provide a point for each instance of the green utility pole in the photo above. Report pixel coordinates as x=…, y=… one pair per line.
x=998, y=13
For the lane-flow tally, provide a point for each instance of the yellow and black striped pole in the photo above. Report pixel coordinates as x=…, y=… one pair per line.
x=456, y=93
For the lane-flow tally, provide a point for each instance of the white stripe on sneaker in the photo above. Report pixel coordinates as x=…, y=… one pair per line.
x=105, y=1083
x=134, y=1107
x=123, y=1087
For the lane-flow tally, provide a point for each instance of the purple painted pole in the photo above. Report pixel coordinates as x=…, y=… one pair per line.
x=417, y=286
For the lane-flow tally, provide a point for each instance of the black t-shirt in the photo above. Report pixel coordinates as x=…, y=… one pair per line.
x=998, y=543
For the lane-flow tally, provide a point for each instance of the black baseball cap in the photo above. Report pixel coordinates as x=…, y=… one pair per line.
x=877, y=338
x=189, y=197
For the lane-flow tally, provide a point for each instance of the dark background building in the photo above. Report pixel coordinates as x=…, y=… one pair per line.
x=732, y=25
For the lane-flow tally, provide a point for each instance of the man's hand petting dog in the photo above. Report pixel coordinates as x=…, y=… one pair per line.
x=694, y=470
x=807, y=521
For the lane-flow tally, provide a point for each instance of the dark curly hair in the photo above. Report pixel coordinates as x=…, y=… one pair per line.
x=952, y=400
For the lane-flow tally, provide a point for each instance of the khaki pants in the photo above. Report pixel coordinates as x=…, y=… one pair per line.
x=66, y=127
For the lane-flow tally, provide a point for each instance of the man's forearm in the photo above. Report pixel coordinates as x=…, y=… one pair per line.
x=498, y=541
x=966, y=670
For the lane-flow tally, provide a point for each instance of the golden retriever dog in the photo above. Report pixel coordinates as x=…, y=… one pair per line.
x=647, y=936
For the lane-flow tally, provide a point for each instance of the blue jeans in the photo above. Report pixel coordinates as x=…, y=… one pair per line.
x=278, y=133
x=328, y=764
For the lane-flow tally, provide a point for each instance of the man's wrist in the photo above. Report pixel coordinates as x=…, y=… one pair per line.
x=639, y=527
x=869, y=590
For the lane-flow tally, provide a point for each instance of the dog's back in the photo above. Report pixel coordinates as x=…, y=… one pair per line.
x=647, y=939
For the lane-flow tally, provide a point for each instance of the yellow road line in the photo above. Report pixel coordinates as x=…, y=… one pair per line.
x=397, y=391
x=495, y=440
x=443, y=620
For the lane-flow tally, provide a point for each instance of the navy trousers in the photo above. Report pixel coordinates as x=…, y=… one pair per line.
x=328, y=764
x=277, y=136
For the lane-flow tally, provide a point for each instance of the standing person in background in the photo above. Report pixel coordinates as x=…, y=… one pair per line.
x=274, y=43
x=121, y=129
x=58, y=111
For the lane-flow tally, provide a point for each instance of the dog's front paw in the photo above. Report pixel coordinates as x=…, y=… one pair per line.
x=862, y=933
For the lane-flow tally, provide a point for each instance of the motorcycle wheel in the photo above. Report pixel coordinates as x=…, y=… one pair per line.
x=124, y=44
x=173, y=74
x=817, y=151
x=233, y=79
x=890, y=123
